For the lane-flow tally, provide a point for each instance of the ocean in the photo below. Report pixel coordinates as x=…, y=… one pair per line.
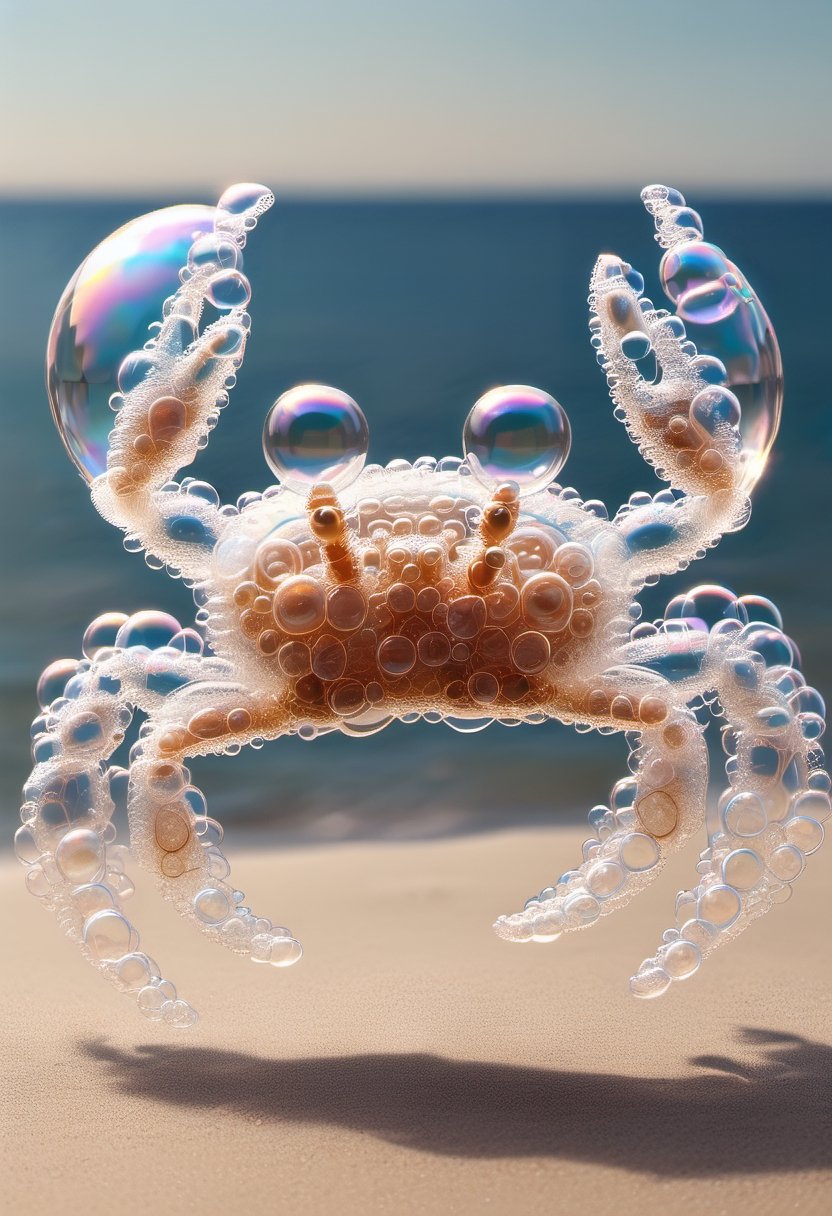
x=414, y=308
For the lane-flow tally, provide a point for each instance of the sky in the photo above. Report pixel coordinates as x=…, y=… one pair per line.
x=343, y=97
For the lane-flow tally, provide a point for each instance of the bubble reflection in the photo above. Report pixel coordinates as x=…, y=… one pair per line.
x=517, y=433
x=315, y=433
x=725, y=319
x=104, y=315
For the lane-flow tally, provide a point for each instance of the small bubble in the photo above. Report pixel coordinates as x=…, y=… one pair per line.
x=211, y=905
x=229, y=289
x=149, y=628
x=54, y=680
x=246, y=197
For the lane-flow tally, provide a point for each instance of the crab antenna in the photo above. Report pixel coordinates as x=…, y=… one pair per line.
x=326, y=519
x=498, y=522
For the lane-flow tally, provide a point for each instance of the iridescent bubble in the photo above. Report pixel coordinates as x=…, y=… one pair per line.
x=54, y=680
x=762, y=610
x=103, y=316
x=102, y=632
x=517, y=433
x=774, y=647
x=724, y=317
x=132, y=972
x=246, y=197
x=229, y=289
x=706, y=605
x=150, y=628
x=314, y=433
x=743, y=869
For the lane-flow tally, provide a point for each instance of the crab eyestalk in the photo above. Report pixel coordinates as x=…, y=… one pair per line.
x=326, y=520
x=498, y=522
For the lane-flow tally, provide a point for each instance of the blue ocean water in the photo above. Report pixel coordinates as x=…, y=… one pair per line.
x=414, y=309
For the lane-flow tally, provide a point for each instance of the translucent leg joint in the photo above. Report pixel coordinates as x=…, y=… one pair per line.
x=770, y=818
x=649, y=816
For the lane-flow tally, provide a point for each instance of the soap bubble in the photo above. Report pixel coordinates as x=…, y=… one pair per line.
x=246, y=198
x=149, y=628
x=705, y=606
x=726, y=320
x=103, y=316
x=517, y=433
x=315, y=433
x=54, y=680
x=102, y=632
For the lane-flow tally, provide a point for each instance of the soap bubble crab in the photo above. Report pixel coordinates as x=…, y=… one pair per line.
x=466, y=590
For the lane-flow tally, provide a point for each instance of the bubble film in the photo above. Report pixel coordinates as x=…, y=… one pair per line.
x=517, y=433
x=105, y=313
x=315, y=433
x=725, y=319
x=723, y=316
x=467, y=591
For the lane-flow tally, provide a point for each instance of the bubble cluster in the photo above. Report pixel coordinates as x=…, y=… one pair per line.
x=701, y=390
x=406, y=604
x=465, y=590
x=724, y=318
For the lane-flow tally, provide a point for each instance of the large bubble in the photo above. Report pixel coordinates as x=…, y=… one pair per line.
x=724, y=317
x=517, y=433
x=104, y=314
x=315, y=433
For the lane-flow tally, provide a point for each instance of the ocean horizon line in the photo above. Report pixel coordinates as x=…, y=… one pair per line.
x=578, y=196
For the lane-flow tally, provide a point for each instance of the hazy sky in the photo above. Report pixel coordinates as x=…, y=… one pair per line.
x=343, y=96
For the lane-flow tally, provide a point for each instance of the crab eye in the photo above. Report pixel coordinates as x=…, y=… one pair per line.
x=315, y=433
x=517, y=433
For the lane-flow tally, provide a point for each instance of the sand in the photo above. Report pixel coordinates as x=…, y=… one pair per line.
x=414, y=1063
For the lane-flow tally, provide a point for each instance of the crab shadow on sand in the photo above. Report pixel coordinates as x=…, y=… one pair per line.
x=734, y=1116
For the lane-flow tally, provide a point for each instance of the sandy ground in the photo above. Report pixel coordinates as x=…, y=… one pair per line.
x=413, y=1062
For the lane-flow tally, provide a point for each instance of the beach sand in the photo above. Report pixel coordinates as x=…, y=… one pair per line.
x=413, y=1062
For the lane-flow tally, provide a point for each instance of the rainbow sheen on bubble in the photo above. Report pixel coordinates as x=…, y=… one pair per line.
x=315, y=433
x=114, y=296
x=428, y=591
x=706, y=607
x=726, y=321
x=517, y=433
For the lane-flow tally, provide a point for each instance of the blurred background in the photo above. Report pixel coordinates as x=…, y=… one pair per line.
x=446, y=175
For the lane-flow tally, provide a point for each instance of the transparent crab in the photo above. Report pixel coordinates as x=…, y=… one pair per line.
x=464, y=590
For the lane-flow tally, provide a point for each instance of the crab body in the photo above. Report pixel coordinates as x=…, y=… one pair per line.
x=407, y=627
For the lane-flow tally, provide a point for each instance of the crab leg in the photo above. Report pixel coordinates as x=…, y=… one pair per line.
x=171, y=393
x=768, y=820
x=67, y=841
x=681, y=414
x=650, y=816
x=170, y=833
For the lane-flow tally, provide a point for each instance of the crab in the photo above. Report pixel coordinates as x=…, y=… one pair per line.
x=465, y=590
